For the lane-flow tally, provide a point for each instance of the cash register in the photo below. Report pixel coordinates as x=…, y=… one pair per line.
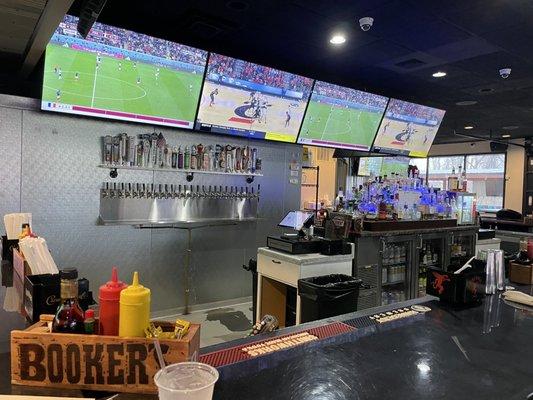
x=295, y=243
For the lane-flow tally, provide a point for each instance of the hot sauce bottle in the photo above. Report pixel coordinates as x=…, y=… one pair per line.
x=69, y=317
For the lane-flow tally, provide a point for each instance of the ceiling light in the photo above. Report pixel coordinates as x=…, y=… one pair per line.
x=423, y=367
x=506, y=136
x=510, y=127
x=337, y=39
x=468, y=127
x=439, y=74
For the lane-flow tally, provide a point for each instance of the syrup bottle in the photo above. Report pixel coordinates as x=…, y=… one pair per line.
x=69, y=317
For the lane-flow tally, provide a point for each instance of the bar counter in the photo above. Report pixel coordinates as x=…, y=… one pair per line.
x=482, y=352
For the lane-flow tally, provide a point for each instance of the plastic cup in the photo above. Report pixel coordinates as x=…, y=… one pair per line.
x=186, y=381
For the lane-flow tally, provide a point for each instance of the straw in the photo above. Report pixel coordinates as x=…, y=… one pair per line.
x=160, y=355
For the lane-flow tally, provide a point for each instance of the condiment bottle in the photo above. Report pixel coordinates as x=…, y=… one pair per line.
x=109, y=299
x=89, y=322
x=69, y=316
x=134, y=309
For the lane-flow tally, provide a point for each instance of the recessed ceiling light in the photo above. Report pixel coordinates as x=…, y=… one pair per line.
x=506, y=136
x=337, y=39
x=468, y=127
x=466, y=103
x=510, y=127
x=439, y=74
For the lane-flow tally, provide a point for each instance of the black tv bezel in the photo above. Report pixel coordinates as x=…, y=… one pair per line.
x=335, y=147
x=394, y=152
x=105, y=117
x=247, y=136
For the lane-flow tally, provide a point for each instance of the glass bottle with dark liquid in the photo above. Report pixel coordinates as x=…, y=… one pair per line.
x=69, y=316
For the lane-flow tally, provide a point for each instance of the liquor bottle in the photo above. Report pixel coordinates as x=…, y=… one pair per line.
x=339, y=200
x=69, y=316
x=464, y=183
x=522, y=256
x=452, y=180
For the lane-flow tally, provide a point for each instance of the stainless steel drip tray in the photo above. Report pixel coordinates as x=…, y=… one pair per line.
x=179, y=224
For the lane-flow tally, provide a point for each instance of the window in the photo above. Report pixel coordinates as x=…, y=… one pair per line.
x=486, y=178
x=421, y=164
x=439, y=168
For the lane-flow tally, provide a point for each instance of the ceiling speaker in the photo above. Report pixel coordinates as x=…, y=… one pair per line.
x=498, y=147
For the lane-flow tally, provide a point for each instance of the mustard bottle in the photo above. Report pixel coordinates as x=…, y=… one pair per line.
x=134, y=315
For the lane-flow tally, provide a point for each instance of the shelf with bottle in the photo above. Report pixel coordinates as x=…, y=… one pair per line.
x=151, y=152
x=399, y=198
x=393, y=283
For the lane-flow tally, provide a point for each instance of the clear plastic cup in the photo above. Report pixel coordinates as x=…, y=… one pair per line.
x=186, y=381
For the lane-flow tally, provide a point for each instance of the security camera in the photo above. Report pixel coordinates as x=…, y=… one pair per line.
x=366, y=23
x=505, y=72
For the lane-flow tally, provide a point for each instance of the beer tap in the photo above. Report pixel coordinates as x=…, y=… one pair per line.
x=127, y=192
x=161, y=193
x=167, y=193
x=105, y=190
x=142, y=192
x=181, y=194
x=150, y=191
x=173, y=193
x=135, y=190
x=121, y=190
x=188, y=193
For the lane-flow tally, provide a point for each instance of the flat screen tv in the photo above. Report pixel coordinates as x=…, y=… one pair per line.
x=244, y=99
x=407, y=129
x=119, y=74
x=369, y=166
x=394, y=165
x=341, y=117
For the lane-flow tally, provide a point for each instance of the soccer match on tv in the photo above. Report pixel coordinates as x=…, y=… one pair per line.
x=342, y=117
x=116, y=73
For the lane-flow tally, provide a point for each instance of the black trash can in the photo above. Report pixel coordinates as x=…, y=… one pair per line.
x=252, y=267
x=327, y=296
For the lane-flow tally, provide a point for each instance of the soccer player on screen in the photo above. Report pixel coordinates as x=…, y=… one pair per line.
x=77, y=76
x=59, y=73
x=135, y=64
x=119, y=66
x=58, y=95
x=212, y=96
x=138, y=80
x=190, y=88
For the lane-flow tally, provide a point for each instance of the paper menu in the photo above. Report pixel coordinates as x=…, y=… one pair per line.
x=13, y=224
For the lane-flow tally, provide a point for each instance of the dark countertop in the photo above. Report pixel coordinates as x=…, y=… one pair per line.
x=483, y=352
x=418, y=231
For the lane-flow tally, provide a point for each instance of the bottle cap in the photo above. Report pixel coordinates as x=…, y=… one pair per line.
x=68, y=273
x=89, y=313
x=111, y=289
x=136, y=293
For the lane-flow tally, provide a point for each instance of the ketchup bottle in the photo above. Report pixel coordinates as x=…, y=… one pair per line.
x=109, y=299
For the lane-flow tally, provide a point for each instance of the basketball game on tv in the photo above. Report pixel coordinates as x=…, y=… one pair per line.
x=249, y=100
x=408, y=129
x=120, y=74
x=341, y=117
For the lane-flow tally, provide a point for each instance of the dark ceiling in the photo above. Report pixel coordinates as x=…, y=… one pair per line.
x=469, y=39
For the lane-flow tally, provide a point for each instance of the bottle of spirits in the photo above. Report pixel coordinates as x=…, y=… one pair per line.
x=452, y=180
x=522, y=256
x=69, y=317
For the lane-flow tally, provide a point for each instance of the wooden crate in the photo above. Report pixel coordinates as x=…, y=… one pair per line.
x=94, y=362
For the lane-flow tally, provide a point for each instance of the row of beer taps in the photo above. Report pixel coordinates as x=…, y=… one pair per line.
x=171, y=191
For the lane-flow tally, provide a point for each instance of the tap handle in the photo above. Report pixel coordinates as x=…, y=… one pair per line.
x=203, y=189
x=171, y=188
x=129, y=187
x=209, y=188
x=160, y=188
x=179, y=188
x=197, y=188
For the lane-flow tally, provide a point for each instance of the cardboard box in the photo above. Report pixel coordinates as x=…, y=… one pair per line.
x=519, y=273
x=41, y=295
x=94, y=362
